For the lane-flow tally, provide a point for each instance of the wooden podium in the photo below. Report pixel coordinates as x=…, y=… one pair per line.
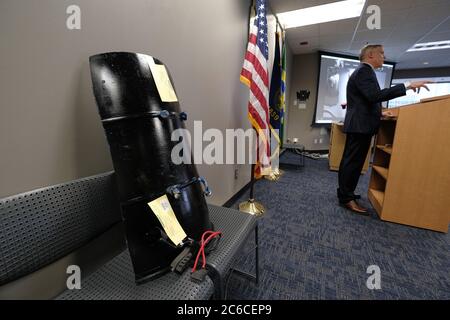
x=337, y=143
x=410, y=179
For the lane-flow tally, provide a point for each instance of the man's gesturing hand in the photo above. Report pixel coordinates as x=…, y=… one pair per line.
x=417, y=85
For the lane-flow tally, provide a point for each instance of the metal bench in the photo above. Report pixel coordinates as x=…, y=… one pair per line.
x=236, y=227
x=44, y=231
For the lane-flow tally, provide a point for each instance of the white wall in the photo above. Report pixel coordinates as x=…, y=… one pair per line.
x=304, y=75
x=50, y=131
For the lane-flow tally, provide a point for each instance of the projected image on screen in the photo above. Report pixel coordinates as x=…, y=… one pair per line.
x=440, y=87
x=332, y=88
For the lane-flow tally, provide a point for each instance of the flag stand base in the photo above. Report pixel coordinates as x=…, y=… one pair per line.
x=275, y=175
x=252, y=207
x=278, y=172
x=272, y=176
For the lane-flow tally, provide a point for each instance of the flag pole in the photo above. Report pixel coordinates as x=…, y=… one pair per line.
x=275, y=102
x=251, y=206
x=257, y=47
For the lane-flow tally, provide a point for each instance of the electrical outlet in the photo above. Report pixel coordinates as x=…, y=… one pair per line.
x=320, y=140
x=236, y=173
x=315, y=141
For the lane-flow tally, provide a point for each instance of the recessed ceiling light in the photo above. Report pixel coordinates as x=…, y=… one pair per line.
x=425, y=62
x=430, y=46
x=324, y=13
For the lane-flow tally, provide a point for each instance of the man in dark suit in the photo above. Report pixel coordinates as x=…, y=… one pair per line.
x=362, y=120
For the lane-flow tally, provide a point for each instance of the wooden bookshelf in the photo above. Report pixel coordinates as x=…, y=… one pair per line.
x=376, y=197
x=410, y=179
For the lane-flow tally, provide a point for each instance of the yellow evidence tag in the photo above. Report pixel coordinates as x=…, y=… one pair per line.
x=163, y=210
x=163, y=84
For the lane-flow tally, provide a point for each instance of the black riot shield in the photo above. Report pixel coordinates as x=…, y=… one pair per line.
x=139, y=111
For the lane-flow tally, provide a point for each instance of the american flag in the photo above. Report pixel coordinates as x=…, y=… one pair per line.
x=255, y=75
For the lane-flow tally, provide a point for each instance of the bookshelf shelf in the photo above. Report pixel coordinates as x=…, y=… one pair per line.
x=382, y=171
x=387, y=149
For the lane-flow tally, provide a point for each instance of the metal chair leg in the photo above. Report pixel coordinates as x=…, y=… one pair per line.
x=253, y=277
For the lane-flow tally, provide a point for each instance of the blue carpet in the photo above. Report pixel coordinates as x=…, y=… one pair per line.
x=310, y=248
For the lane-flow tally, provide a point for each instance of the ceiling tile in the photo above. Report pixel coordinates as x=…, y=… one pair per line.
x=338, y=27
x=403, y=23
x=418, y=29
x=373, y=36
x=390, y=5
x=429, y=2
x=305, y=31
x=444, y=27
x=435, y=14
x=437, y=37
x=279, y=6
x=390, y=19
